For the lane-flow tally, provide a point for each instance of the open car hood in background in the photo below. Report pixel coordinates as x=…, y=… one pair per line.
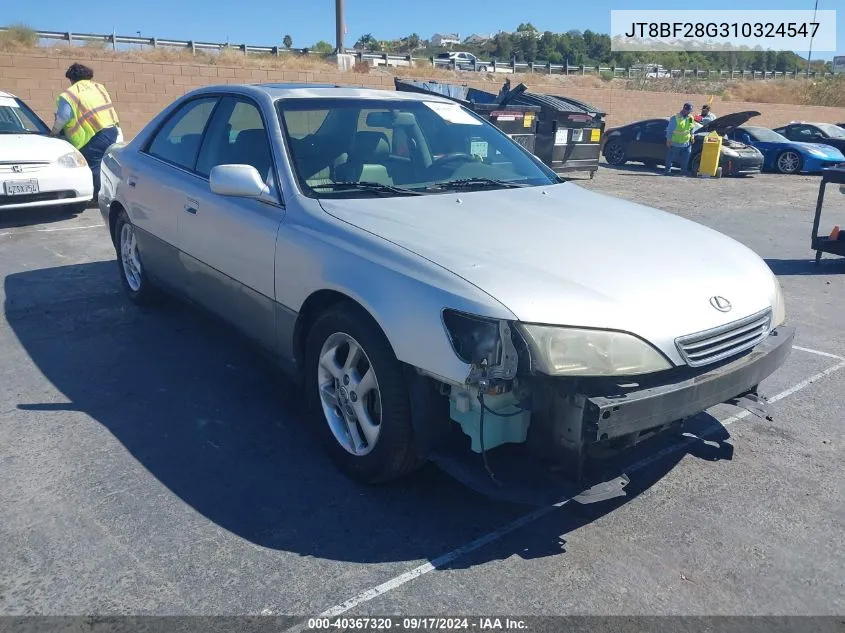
x=725, y=124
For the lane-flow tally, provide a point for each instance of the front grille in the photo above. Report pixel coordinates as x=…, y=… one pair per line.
x=23, y=168
x=719, y=343
x=36, y=197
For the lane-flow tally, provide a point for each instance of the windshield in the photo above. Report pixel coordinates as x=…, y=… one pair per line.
x=764, y=135
x=391, y=147
x=17, y=118
x=831, y=130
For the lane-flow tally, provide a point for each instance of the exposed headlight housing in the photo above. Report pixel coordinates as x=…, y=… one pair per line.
x=71, y=159
x=482, y=342
x=779, y=315
x=564, y=351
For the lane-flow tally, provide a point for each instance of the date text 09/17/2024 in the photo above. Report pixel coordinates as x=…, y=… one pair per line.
x=722, y=29
x=415, y=624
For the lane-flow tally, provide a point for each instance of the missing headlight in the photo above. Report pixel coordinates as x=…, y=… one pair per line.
x=485, y=344
x=474, y=339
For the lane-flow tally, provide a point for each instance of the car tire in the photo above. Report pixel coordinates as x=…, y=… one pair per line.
x=368, y=435
x=695, y=164
x=789, y=162
x=614, y=153
x=132, y=276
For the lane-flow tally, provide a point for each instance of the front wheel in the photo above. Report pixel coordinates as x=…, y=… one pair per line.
x=358, y=397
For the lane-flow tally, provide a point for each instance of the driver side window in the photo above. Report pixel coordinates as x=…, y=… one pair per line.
x=237, y=136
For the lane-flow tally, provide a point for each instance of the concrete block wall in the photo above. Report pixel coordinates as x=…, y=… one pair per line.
x=141, y=89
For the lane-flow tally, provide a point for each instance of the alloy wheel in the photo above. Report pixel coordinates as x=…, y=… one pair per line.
x=349, y=394
x=129, y=257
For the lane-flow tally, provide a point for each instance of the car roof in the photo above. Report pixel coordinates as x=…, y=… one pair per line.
x=319, y=91
x=7, y=94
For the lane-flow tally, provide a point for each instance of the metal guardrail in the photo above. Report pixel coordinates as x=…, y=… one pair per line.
x=388, y=59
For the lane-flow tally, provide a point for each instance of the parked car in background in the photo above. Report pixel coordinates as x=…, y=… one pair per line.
x=645, y=142
x=37, y=170
x=785, y=156
x=437, y=308
x=465, y=61
x=819, y=133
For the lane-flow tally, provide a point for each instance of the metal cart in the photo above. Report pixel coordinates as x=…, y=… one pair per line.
x=824, y=243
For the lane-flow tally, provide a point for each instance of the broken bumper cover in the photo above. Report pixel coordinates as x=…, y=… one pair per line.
x=609, y=417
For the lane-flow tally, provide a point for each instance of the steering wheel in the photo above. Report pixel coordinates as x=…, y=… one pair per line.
x=452, y=157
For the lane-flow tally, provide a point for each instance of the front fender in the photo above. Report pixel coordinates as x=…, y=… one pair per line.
x=403, y=292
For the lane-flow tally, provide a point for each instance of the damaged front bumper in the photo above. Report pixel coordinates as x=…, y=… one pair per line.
x=573, y=421
x=612, y=416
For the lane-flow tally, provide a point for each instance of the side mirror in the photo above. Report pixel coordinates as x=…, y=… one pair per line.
x=241, y=181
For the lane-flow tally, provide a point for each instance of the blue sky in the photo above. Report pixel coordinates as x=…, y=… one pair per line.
x=264, y=22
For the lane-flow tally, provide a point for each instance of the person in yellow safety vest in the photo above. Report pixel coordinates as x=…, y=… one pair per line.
x=86, y=117
x=679, y=133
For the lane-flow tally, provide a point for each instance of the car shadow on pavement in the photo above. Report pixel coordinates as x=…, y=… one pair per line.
x=12, y=218
x=215, y=423
x=829, y=265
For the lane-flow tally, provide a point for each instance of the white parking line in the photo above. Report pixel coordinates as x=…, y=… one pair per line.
x=495, y=535
x=58, y=228
x=818, y=353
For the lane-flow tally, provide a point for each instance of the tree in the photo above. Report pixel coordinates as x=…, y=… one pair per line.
x=287, y=41
x=323, y=47
x=368, y=43
x=413, y=42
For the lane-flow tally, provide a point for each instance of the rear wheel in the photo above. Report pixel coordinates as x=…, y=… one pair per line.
x=132, y=276
x=789, y=162
x=358, y=396
x=614, y=153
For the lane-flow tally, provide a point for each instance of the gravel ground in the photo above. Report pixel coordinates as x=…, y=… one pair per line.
x=150, y=464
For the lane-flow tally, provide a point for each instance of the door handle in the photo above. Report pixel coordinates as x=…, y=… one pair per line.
x=192, y=206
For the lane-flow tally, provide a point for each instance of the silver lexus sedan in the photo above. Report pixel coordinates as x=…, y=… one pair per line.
x=441, y=295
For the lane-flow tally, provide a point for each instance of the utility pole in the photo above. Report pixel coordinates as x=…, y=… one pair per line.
x=339, y=26
x=810, y=55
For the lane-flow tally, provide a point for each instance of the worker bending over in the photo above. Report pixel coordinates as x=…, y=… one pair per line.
x=86, y=117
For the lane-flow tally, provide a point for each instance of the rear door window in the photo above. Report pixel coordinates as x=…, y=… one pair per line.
x=178, y=141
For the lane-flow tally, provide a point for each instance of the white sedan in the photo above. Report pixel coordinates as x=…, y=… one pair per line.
x=37, y=170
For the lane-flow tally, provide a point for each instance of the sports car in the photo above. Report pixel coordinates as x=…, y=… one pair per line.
x=818, y=133
x=785, y=156
x=37, y=170
x=645, y=142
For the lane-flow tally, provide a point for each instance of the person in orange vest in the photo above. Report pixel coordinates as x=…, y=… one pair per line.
x=86, y=117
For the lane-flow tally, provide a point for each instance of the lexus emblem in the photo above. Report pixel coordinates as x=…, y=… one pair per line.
x=721, y=304
x=17, y=169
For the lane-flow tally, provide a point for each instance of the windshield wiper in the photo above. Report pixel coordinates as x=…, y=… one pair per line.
x=17, y=132
x=475, y=182
x=375, y=187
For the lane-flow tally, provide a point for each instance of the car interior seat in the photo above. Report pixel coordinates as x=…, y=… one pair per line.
x=368, y=159
x=252, y=148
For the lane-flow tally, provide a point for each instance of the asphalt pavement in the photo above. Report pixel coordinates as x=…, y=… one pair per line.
x=152, y=463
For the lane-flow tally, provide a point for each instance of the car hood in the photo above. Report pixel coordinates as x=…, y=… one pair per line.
x=567, y=256
x=725, y=124
x=31, y=147
x=829, y=150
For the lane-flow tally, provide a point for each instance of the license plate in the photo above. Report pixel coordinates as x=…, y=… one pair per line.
x=20, y=187
x=577, y=135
